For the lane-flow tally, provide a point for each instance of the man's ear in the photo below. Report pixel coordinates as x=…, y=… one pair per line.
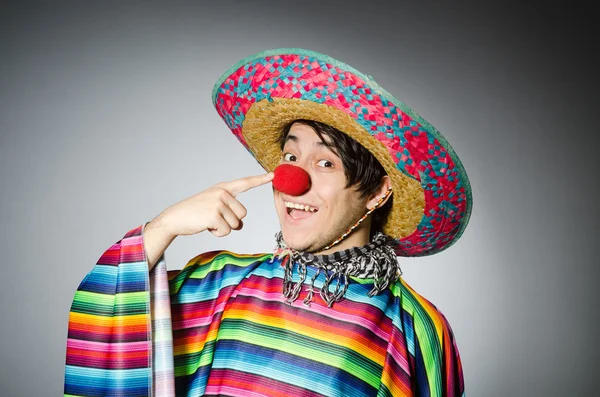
x=384, y=185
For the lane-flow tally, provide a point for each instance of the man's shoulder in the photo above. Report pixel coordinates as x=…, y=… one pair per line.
x=420, y=308
x=211, y=256
x=215, y=260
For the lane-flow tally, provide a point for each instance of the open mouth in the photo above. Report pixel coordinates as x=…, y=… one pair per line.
x=299, y=211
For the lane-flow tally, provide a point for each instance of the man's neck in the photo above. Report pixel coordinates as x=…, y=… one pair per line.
x=357, y=238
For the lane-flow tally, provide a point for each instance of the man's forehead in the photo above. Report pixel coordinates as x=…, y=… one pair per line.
x=298, y=135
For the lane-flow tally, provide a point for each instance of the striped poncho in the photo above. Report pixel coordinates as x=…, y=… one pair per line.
x=221, y=327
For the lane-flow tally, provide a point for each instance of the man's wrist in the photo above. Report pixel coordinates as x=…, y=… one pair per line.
x=156, y=240
x=159, y=226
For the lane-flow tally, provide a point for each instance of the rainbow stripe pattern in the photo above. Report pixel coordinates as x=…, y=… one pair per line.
x=221, y=327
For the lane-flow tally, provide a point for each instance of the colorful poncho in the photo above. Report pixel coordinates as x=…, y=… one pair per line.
x=220, y=327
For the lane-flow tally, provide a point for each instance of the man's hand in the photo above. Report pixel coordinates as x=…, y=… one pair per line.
x=216, y=209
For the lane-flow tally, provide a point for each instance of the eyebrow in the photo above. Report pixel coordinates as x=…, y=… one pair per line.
x=294, y=138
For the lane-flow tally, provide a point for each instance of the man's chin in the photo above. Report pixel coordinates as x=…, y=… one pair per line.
x=298, y=243
x=296, y=246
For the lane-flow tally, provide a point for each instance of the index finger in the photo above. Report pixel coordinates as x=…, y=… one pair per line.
x=243, y=184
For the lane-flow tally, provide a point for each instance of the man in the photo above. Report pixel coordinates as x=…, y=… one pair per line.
x=326, y=314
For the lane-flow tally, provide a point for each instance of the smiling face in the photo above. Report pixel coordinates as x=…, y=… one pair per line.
x=328, y=208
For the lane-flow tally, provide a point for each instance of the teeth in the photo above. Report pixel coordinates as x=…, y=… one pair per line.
x=300, y=206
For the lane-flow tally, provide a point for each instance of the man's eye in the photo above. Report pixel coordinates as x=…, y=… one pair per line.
x=325, y=163
x=289, y=157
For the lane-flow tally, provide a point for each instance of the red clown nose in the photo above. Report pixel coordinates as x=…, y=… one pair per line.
x=291, y=180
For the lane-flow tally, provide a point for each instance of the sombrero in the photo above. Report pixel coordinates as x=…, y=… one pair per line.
x=259, y=95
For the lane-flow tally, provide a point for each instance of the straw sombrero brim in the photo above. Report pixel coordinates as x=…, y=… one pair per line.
x=263, y=93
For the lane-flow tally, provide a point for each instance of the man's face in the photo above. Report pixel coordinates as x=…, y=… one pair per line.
x=333, y=207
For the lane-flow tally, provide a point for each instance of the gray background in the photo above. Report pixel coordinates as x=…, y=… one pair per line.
x=106, y=120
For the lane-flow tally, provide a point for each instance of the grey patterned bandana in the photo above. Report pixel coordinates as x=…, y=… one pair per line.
x=376, y=260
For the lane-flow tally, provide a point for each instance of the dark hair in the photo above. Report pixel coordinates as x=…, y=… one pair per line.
x=360, y=166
